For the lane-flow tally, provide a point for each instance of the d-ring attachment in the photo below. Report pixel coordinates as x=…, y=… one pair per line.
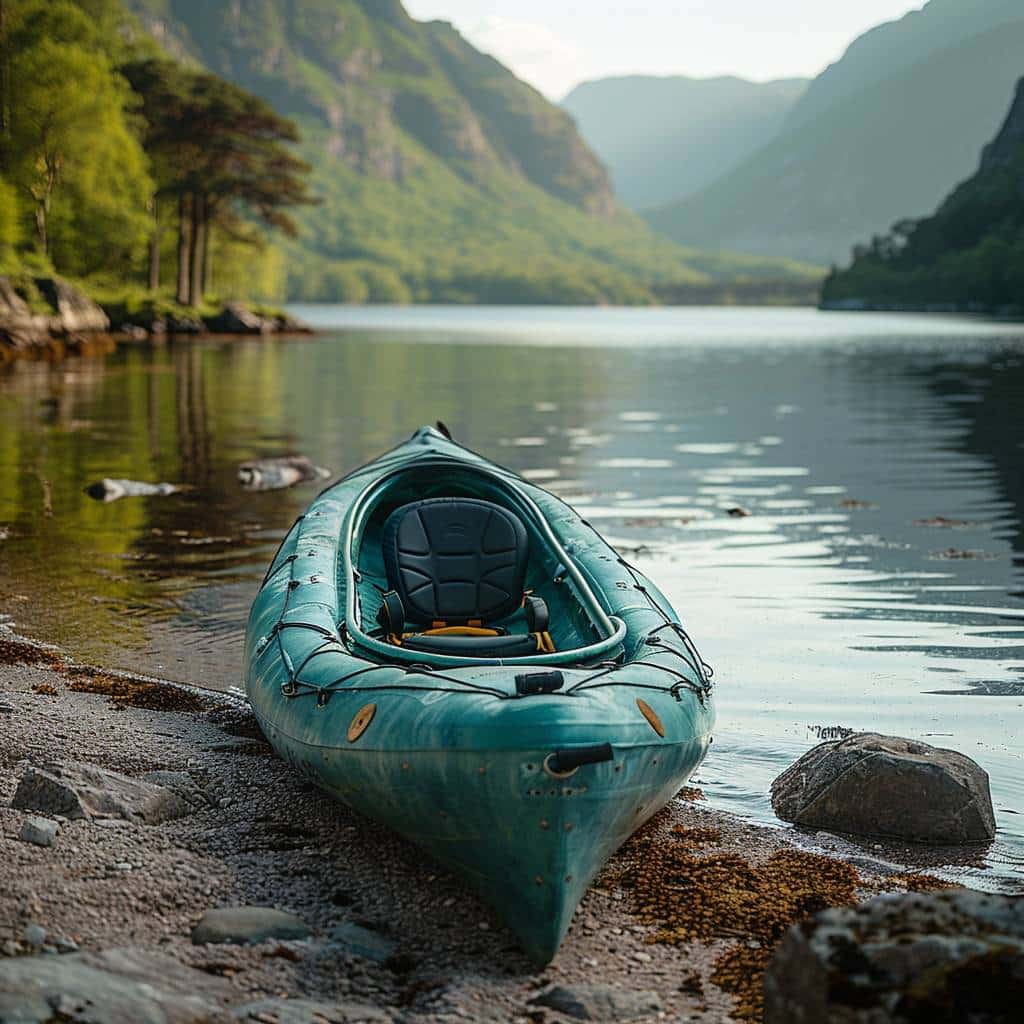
x=552, y=759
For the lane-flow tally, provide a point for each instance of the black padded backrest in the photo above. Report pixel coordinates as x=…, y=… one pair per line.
x=455, y=559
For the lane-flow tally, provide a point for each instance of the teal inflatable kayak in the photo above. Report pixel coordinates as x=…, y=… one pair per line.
x=452, y=651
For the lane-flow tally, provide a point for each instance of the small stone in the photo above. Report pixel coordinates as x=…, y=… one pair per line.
x=122, y=866
x=111, y=823
x=309, y=1011
x=248, y=926
x=598, y=1002
x=39, y=831
x=34, y=935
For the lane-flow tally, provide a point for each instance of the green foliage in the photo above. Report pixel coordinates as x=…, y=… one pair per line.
x=70, y=151
x=10, y=228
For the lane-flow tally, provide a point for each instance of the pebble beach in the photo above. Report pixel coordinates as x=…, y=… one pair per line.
x=345, y=921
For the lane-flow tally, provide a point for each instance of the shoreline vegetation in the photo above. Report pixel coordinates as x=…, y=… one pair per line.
x=371, y=927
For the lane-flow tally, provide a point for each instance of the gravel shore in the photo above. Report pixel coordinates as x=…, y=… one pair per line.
x=259, y=835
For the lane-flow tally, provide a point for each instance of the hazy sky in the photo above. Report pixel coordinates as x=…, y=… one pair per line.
x=554, y=44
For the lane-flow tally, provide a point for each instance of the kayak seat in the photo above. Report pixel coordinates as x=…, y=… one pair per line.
x=456, y=567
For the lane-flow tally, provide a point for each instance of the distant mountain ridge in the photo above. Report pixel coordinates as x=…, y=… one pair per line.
x=885, y=148
x=663, y=138
x=937, y=26
x=967, y=256
x=443, y=176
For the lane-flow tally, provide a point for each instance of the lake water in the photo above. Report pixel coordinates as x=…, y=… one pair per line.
x=877, y=583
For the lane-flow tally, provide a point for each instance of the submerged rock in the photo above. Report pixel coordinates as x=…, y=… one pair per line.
x=248, y=926
x=109, y=489
x=876, y=785
x=119, y=986
x=943, y=958
x=76, y=790
x=598, y=1002
x=39, y=831
x=276, y=474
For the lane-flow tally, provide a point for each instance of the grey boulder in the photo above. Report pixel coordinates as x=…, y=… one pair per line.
x=944, y=958
x=119, y=986
x=310, y=1011
x=598, y=1002
x=39, y=831
x=248, y=926
x=876, y=785
x=77, y=790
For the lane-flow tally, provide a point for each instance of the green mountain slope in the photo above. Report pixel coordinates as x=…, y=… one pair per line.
x=442, y=176
x=872, y=57
x=968, y=256
x=886, y=151
x=664, y=138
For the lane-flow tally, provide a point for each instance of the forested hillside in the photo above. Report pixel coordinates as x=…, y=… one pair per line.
x=441, y=176
x=969, y=255
x=663, y=138
x=879, y=139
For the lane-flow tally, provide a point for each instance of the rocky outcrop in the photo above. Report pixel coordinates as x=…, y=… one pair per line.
x=876, y=785
x=76, y=790
x=35, y=311
x=119, y=986
x=943, y=958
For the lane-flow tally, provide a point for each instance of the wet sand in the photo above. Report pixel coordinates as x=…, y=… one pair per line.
x=672, y=913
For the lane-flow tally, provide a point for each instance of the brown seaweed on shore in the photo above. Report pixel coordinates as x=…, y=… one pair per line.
x=689, y=896
x=137, y=693
x=20, y=652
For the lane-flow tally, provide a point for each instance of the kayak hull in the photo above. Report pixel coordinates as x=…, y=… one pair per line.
x=453, y=758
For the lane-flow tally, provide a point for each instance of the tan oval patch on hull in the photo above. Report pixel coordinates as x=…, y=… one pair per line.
x=361, y=722
x=652, y=716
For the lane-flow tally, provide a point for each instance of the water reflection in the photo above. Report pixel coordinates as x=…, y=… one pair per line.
x=876, y=583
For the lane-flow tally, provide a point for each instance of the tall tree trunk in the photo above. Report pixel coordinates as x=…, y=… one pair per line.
x=207, y=265
x=154, y=250
x=41, y=230
x=181, y=293
x=195, y=250
x=5, y=86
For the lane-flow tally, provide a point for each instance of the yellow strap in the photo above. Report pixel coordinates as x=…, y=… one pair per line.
x=457, y=631
x=544, y=642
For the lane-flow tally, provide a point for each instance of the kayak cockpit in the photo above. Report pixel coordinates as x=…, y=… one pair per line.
x=451, y=564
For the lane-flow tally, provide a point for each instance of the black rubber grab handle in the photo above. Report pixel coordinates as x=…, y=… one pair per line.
x=538, y=682
x=576, y=757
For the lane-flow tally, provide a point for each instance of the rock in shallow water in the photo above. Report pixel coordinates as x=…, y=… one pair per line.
x=120, y=986
x=39, y=831
x=248, y=925
x=876, y=785
x=598, y=1002
x=942, y=958
x=77, y=790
